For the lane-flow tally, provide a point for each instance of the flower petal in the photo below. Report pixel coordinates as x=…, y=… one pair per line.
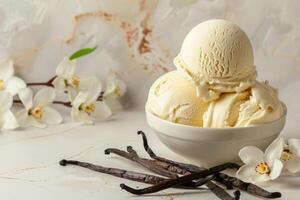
x=14, y=85
x=35, y=123
x=79, y=116
x=86, y=82
x=295, y=145
x=94, y=92
x=25, y=120
x=51, y=116
x=251, y=155
x=66, y=69
x=9, y=121
x=114, y=86
x=79, y=99
x=59, y=84
x=276, y=169
x=6, y=101
x=6, y=69
x=246, y=173
x=44, y=97
x=274, y=151
x=260, y=178
x=102, y=111
x=293, y=165
x=22, y=117
x=26, y=96
x=113, y=102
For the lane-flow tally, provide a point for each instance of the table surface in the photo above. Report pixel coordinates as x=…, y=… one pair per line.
x=29, y=162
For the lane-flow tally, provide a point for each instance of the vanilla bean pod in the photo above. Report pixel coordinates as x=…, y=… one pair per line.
x=189, y=167
x=247, y=187
x=130, y=175
x=134, y=176
x=221, y=193
x=171, y=168
x=217, y=190
x=180, y=180
x=144, y=162
x=222, y=178
x=183, y=168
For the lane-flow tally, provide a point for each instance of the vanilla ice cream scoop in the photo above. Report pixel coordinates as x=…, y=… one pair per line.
x=218, y=57
x=257, y=105
x=173, y=98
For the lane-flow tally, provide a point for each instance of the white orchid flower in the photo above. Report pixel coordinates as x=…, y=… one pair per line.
x=115, y=89
x=8, y=82
x=86, y=109
x=259, y=166
x=38, y=111
x=7, y=118
x=67, y=80
x=290, y=153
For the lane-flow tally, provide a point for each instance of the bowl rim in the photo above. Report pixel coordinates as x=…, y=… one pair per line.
x=212, y=129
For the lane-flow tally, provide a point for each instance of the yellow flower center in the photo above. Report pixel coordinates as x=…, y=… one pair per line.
x=118, y=91
x=75, y=81
x=1, y=85
x=37, y=112
x=262, y=168
x=89, y=108
x=286, y=155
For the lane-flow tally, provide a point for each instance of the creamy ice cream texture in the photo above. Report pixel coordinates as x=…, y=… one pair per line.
x=215, y=82
x=173, y=98
x=218, y=57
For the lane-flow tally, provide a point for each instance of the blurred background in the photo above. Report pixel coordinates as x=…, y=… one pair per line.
x=138, y=39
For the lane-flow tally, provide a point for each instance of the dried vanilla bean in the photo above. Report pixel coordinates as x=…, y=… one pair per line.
x=130, y=175
x=247, y=187
x=144, y=162
x=222, y=178
x=189, y=167
x=192, y=176
x=183, y=168
x=134, y=176
x=221, y=193
x=180, y=180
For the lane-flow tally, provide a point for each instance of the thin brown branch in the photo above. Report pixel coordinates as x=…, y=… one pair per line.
x=48, y=83
x=64, y=103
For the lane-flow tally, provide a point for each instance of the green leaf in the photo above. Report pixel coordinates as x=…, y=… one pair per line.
x=82, y=52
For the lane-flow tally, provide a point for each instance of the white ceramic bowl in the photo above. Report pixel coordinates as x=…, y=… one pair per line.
x=212, y=146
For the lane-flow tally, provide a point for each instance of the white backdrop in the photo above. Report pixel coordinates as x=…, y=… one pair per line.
x=138, y=39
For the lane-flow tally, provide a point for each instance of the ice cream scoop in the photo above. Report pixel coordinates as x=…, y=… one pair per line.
x=257, y=105
x=218, y=57
x=172, y=97
x=262, y=107
x=224, y=112
x=215, y=84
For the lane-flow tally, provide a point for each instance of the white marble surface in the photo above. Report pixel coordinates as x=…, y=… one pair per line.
x=29, y=163
x=38, y=33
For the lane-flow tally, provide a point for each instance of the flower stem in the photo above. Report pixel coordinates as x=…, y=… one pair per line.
x=48, y=83
x=64, y=103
